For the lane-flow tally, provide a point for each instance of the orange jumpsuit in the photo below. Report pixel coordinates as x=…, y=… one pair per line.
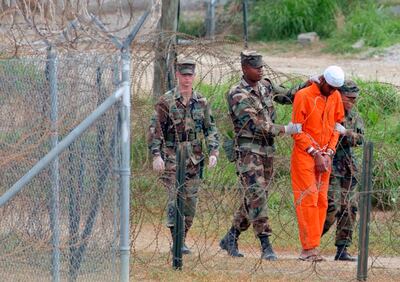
x=317, y=115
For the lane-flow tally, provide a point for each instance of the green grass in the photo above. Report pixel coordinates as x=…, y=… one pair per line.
x=194, y=26
x=369, y=22
x=389, y=2
x=341, y=22
x=287, y=18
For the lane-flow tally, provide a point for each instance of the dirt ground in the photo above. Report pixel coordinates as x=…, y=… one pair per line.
x=310, y=60
x=155, y=242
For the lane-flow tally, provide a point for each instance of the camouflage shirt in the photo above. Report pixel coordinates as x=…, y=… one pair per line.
x=253, y=114
x=344, y=162
x=173, y=122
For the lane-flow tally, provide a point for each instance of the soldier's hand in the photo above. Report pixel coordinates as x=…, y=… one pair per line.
x=158, y=164
x=212, y=161
x=349, y=132
x=278, y=130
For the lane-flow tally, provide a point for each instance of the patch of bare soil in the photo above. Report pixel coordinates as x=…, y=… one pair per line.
x=384, y=67
x=155, y=242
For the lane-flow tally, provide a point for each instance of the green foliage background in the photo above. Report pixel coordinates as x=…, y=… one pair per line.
x=287, y=18
x=340, y=22
x=370, y=22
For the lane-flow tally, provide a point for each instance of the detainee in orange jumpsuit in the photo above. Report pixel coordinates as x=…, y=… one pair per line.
x=316, y=109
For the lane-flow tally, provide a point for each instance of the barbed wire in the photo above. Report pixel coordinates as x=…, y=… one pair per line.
x=29, y=27
x=88, y=168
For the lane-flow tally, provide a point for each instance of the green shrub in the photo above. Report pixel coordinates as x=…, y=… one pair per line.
x=379, y=104
x=386, y=176
x=216, y=95
x=194, y=27
x=369, y=22
x=287, y=18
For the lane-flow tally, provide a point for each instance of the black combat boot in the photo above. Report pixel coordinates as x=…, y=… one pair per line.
x=267, y=252
x=229, y=243
x=342, y=254
x=185, y=249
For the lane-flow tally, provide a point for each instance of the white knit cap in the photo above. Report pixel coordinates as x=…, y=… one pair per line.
x=334, y=76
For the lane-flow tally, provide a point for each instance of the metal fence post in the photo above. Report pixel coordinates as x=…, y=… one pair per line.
x=245, y=29
x=125, y=165
x=365, y=209
x=181, y=156
x=117, y=158
x=210, y=19
x=125, y=114
x=55, y=199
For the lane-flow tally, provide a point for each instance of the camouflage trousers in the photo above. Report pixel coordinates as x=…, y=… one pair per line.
x=255, y=174
x=342, y=209
x=190, y=190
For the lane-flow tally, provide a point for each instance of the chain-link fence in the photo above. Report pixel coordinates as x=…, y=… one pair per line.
x=87, y=180
x=86, y=210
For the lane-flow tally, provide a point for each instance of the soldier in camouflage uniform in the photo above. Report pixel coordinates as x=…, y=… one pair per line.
x=342, y=208
x=253, y=115
x=182, y=115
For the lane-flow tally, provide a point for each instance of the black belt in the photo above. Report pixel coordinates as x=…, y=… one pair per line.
x=262, y=142
x=184, y=137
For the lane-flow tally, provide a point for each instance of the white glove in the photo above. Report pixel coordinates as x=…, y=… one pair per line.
x=212, y=161
x=158, y=164
x=292, y=128
x=340, y=128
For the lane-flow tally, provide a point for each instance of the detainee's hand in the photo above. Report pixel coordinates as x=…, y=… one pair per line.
x=328, y=161
x=212, y=161
x=158, y=164
x=320, y=163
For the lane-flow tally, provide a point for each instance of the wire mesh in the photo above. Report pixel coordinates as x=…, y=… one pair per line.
x=88, y=179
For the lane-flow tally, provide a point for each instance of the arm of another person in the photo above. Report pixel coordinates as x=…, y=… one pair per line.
x=357, y=136
x=286, y=96
x=338, y=118
x=158, y=125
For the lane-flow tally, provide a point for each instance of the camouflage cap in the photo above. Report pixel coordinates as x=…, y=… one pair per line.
x=349, y=89
x=251, y=58
x=186, y=65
